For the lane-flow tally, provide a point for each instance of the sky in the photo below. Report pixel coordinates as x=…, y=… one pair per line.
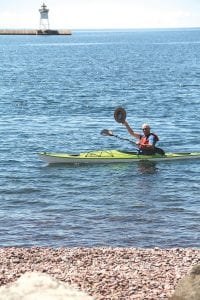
x=101, y=14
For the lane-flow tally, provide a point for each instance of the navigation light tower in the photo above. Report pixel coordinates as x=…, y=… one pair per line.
x=44, y=19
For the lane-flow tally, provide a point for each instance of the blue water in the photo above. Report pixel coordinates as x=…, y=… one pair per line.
x=56, y=94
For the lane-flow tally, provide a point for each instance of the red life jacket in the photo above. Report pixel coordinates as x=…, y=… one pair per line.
x=145, y=139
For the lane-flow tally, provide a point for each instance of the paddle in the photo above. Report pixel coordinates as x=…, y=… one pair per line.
x=107, y=132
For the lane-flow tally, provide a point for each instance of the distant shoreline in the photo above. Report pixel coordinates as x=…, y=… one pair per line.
x=24, y=31
x=34, y=32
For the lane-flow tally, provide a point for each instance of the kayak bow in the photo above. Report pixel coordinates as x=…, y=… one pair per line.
x=111, y=156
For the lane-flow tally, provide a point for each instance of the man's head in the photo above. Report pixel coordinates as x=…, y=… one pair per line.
x=146, y=129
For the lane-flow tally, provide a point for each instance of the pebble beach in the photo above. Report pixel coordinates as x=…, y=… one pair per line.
x=104, y=273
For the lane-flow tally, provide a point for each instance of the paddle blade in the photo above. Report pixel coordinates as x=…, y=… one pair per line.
x=107, y=132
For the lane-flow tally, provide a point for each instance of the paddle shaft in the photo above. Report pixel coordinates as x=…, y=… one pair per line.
x=123, y=139
x=107, y=132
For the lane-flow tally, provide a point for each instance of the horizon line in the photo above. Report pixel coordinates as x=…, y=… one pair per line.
x=109, y=28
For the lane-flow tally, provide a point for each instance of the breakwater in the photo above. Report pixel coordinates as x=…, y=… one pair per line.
x=34, y=32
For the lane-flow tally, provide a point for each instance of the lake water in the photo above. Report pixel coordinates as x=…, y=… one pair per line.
x=56, y=94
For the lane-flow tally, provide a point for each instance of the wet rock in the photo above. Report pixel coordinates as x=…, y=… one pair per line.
x=189, y=286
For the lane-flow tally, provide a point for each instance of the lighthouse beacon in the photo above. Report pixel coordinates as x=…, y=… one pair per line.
x=44, y=19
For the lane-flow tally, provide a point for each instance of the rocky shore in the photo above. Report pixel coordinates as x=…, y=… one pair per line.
x=104, y=273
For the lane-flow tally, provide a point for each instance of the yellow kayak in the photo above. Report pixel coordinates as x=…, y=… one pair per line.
x=111, y=156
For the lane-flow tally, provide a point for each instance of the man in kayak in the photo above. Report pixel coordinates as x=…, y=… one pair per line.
x=147, y=140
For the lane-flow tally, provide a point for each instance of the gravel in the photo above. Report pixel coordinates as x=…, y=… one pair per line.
x=105, y=273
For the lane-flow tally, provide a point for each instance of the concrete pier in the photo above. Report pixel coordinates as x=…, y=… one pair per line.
x=35, y=32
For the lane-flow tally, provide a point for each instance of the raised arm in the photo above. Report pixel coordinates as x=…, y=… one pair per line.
x=130, y=130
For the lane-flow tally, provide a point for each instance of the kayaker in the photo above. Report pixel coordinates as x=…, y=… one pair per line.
x=147, y=140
